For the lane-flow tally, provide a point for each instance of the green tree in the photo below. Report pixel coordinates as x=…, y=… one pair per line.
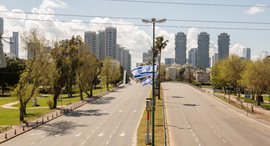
x=86, y=69
x=10, y=75
x=160, y=44
x=189, y=74
x=256, y=77
x=106, y=71
x=181, y=72
x=33, y=75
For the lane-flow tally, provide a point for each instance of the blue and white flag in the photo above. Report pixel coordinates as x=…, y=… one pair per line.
x=136, y=72
x=146, y=81
x=143, y=71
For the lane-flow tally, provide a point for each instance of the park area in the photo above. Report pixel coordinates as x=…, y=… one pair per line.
x=10, y=116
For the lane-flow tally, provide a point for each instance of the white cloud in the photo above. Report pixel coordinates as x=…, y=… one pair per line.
x=255, y=57
x=255, y=9
x=237, y=49
x=192, y=38
x=53, y=4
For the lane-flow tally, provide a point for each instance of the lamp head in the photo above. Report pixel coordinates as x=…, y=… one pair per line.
x=161, y=21
x=146, y=21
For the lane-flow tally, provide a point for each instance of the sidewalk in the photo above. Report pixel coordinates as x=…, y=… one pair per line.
x=22, y=128
x=235, y=99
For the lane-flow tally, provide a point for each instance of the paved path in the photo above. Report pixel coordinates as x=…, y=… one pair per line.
x=197, y=119
x=109, y=120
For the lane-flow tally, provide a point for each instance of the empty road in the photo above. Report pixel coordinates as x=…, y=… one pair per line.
x=197, y=119
x=111, y=120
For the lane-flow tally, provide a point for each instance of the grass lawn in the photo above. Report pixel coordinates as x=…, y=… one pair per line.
x=159, y=125
x=11, y=116
x=42, y=101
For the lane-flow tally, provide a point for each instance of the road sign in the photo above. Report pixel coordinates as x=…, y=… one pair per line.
x=215, y=88
x=247, y=95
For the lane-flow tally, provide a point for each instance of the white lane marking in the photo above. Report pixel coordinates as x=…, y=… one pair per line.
x=82, y=142
x=36, y=133
x=224, y=140
x=196, y=139
x=42, y=137
x=57, y=135
x=210, y=126
x=113, y=131
x=120, y=111
x=78, y=134
x=107, y=142
x=122, y=134
x=100, y=124
x=33, y=142
x=135, y=111
x=101, y=134
x=93, y=131
x=186, y=122
x=116, y=127
x=188, y=126
x=215, y=131
x=97, y=127
x=219, y=136
x=111, y=136
x=193, y=134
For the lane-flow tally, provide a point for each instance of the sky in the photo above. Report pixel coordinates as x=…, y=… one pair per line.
x=137, y=36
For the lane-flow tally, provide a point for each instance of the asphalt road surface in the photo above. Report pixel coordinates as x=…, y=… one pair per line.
x=110, y=120
x=195, y=118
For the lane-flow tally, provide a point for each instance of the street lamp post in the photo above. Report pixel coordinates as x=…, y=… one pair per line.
x=154, y=21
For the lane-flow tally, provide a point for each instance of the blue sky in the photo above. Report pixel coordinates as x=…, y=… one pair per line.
x=139, y=38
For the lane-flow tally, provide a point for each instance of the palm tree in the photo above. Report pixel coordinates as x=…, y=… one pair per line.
x=181, y=71
x=159, y=45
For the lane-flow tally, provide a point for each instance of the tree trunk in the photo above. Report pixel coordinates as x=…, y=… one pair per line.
x=91, y=92
x=107, y=86
x=159, y=76
x=88, y=95
x=81, y=94
x=56, y=95
x=258, y=99
x=22, y=111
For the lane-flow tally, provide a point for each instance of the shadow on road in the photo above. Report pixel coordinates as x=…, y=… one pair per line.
x=103, y=100
x=190, y=104
x=79, y=113
x=59, y=128
x=177, y=97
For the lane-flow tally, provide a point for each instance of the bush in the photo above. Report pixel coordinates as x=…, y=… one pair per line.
x=50, y=104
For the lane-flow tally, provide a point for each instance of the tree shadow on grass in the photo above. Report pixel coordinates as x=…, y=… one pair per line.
x=80, y=113
x=59, y=128
x=102, y=100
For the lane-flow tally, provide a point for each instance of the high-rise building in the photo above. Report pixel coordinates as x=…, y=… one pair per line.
x=127, y=61
x=110, y=42
x=192, y=54
x=146, y=56
x=101, y=45
x=214, y=59
x=14, y=47
x=203, y=50
x=180, y=48
x=169, y=61
x=223, y=45
x=246, y=53
x=120, y=54
x=90, y=38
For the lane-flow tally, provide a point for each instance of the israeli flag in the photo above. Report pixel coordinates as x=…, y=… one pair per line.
x=136, y=72
x=146, y=81
x=143, y=71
